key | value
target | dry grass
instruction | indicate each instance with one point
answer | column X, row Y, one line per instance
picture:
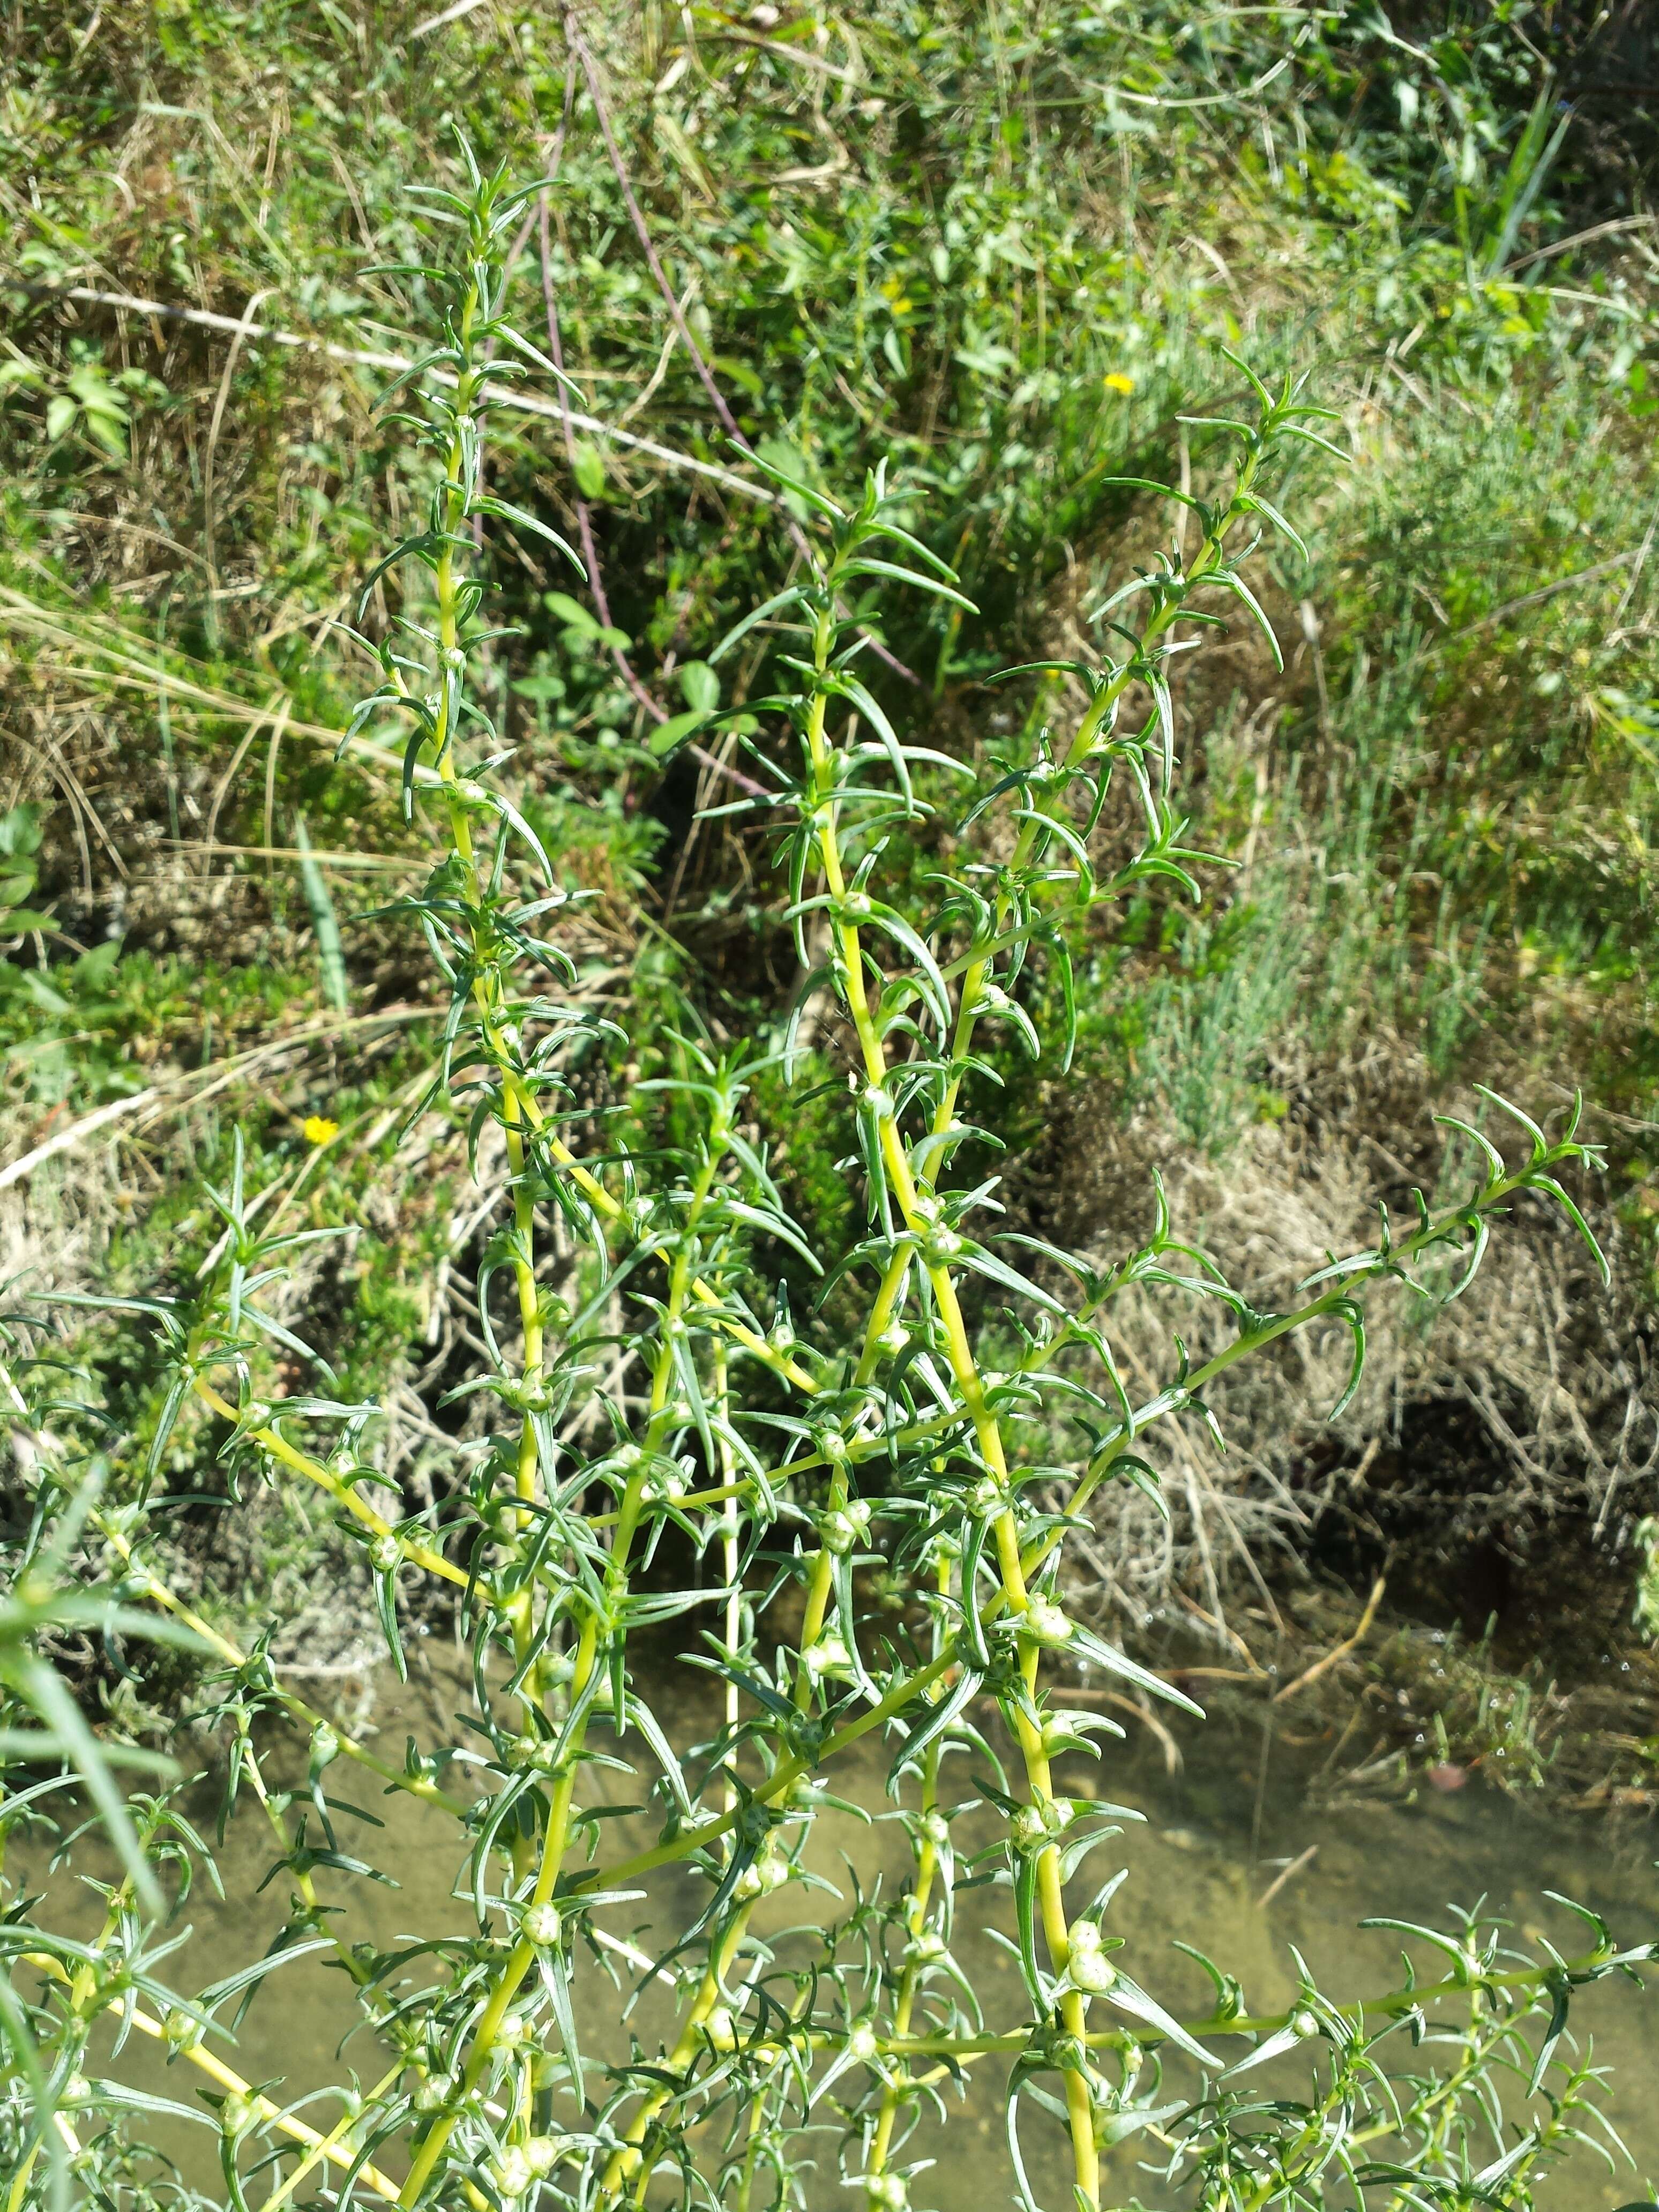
column 1555, row 1377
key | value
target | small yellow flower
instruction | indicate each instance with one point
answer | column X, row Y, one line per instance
column 318, row 1129
column 1118, row 382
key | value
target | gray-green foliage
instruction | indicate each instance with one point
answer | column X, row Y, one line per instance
column 882, row 1562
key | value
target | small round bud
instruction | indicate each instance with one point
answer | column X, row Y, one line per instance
column 236, row 2114
column 827, row 1657
column 986, row 1497
column 514, row 2031
column 433, row 2094
column 77, row 2090
column 255, row 1414
column 386, row 1553
column 1045, row 1623
column 924, row 1949
column 183, row 2033
column 1033, row 1826
column 511, row 2173
column 844, row 1530
column 861, row 2044
column 543, row 1926
column 1070, row 2054
column 324, row 1746
column 720, row 2027
column 1029, row 1828
column 1303, row 2024
column 543, row 2153
column 937, row 1830
column 832, row 1446
column 886, row 2192
column 1086, row 1963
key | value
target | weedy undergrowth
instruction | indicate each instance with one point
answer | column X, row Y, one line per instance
column 863, row 1509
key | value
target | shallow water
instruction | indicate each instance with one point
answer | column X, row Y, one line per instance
column 1214, row 1842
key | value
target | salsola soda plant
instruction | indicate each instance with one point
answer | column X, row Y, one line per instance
column 879, row 1554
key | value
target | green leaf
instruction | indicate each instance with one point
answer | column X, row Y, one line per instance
column 673, row 733
column 700, row 687
column 587, row 466
column 571, row 613
column 521, row 520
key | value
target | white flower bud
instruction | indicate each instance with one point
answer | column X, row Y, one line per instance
column 861, row 2044
column 511, row 2173
column 1086, row 1963
column 720, row 2027
column 1030, row 1828
column 1033, row 1826
column 827, row 1657
column 844, row 1530
column 1046, row 1624
column 543, row 2153
column 386, row 1553
column 543, row 1926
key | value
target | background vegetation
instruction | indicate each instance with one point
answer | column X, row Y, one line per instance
column 1001, row 244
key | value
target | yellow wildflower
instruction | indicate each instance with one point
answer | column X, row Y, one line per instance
column 1118, row 382
column 318, row 1129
